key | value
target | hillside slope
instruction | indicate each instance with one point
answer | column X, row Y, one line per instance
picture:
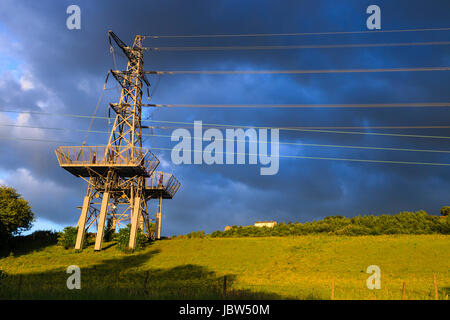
column 274, row 268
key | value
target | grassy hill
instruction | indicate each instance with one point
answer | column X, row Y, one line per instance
column 255, row 268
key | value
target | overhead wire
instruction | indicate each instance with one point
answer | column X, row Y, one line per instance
column 265, row 142
column 294, row 33
column 228, row 72
column 307, row 130
column 321, row 127
column 302, row 46
column 279, row 156
column 329, row 158
column 191, row 48
column 96, row 109
column 242, row 126
column 325, row 145
column 34, row 139
column 354, row 105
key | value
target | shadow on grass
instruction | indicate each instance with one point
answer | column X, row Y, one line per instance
column 128, row 278
column 110, row 245
column 37, row 241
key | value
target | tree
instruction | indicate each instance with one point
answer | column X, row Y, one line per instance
column 445, row 211
column 68, row 238
column 109, row 230
column 15, row 213
column 123, row 239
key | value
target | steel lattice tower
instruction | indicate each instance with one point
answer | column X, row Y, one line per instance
column 121, row 175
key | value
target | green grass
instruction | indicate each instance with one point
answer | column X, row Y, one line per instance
column 256, row 268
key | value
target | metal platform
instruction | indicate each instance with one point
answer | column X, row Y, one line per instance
column 83, row 161
column 161, row 184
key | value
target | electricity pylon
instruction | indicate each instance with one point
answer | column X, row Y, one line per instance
column 121, row 175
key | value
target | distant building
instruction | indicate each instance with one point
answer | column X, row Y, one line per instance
column 269, row 224
column 227, row 228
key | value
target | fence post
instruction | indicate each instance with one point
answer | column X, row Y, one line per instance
column 145, row 282
column 404, row 290
column 332, row 289
column 225, row 285
column 20, row 285
column 436, row 296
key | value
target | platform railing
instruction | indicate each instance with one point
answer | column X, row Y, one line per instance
column 106, row 156
column 163, row 180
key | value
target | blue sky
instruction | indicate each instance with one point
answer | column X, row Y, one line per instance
column 46, row 67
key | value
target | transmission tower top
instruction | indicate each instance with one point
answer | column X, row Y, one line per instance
column 123, row 171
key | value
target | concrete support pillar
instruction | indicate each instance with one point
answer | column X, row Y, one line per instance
column 134, row 222
column 101, row 222
column 82, row 223
column 158, row 219
column 141, row 222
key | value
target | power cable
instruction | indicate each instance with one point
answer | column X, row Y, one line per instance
column 292, row 34
column 279, row 156
column 266, row 142
column 354, row 105
column 96, row 109
column 287, row 47
column 227, row 72
column 335, row 159
column 243, row 126
column 308, row 130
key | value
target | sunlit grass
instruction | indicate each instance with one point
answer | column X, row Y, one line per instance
column 256, row 268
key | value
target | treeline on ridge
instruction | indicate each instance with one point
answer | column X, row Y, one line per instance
column 403, row 223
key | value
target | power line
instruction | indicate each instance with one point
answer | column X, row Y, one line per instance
column 96, row 109
column 293, row 34
column 53, row 114
column 182, row 72
column 266, row 142
column 216, row 126
column 34, row 139
column 355, row 105
column 307, row 130
column 309, row 46
column 324, row 145
column 190, row 124
column 242, row 126
column 325, row 127
column 279, row 156
column 325, row 158
column 60, row 129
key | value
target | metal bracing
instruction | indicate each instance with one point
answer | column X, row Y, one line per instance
column 120, row 175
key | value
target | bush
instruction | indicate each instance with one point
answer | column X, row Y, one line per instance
column 445, row 211
column 3, row 275
column 68, row 238
column 353, row 230
column 34, row 241
column 46, row 236
column 123, row 239
column 109, row 231
column 196, row 234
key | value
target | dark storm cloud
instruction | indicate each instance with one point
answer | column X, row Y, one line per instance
column 68, row 68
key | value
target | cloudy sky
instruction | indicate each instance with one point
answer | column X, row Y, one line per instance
column 44, row 67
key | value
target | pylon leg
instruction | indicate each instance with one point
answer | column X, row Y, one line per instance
column 101, row 222
column 141, row 222
column 134, row 222
column 158, row 219
column 82, row 223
